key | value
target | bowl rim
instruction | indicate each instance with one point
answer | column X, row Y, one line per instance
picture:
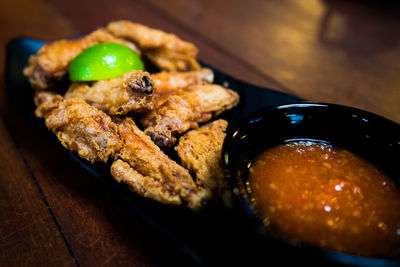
column 247, row 208
column 307, row 104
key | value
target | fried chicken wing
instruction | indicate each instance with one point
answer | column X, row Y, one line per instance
column 176, row 113
column 165, row 50
column 132, row 91
column 45, row 102
column 81, row 127
column 143, row 185
column 151, row 173
column 200, row 153
column 51, row 62
column 169, row 81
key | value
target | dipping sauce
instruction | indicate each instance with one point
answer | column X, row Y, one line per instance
column 312, row 192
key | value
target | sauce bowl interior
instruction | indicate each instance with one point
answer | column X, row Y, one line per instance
column 368, row 135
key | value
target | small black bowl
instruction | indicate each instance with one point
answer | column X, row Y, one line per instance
column 373, row 137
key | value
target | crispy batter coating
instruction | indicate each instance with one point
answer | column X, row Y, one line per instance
column 45, row 102
column 151, row 173
column 81, row 128
column 133, row 91
column 143, row 185
column 169, row 81
column 200, row 152
column 176, row 113
column 165, row 50
column 52, row 60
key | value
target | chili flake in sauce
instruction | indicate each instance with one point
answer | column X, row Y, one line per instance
column 315, row 193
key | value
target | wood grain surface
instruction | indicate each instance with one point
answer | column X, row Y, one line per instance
column 52, row 212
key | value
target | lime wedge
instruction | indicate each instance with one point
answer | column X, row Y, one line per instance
column 104, row 61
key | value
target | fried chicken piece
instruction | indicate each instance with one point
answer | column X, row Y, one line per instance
column 169, row 81
column 143, row 185
column 176, row 113
column 151, row 173
column 51, row 62
column 165, row 50
column 45, row 102
column 80, row 127
column 132, row 91
column 200, row 152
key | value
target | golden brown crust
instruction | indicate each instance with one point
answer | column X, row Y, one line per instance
column 177, row 113
column 165, row 50
column 84, row 129
column 200, row 152
column 166, row 82
column 45, row 102
column 145, row 186
column 133, row 91
column 147, row 160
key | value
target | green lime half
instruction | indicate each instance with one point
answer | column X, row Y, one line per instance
column 104, row 61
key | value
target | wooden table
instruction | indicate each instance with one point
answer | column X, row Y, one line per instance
column 52, row 212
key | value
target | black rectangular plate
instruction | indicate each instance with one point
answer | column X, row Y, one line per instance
column 212, row 236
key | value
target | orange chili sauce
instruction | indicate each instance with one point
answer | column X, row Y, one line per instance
column 315, row 193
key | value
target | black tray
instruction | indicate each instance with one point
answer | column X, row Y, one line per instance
column 212, row 236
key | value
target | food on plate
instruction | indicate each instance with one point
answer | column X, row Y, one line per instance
column 150, row 172
column 200, row 151
column 176, row 113
column 319, row 194
column 134, row 120
column 133, row 91
column 166, row 82
column 165, row 50
column 82, row 128
column 51, row 62
column 104, row 61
